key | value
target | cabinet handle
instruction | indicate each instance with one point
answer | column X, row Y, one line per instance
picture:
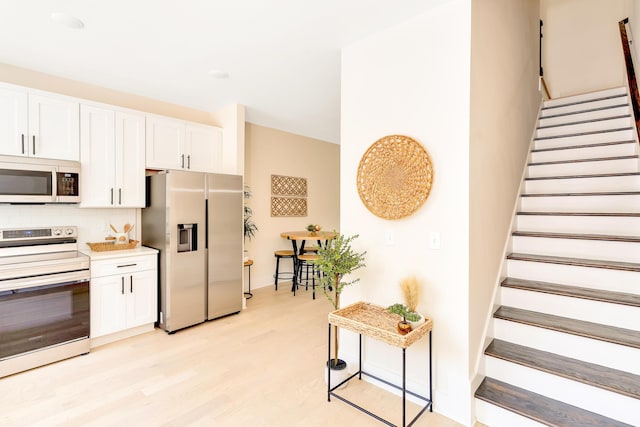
column 126, row 265
column 122, row 288
column 131, row 284
column 112, row 196
column 23, row 143
column 119, row 196
column 34, row 144
column 189, row 161
column 182, row 161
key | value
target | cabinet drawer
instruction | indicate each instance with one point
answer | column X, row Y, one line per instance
column 126, row 265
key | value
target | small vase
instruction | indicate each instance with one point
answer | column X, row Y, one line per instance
column 404, row 327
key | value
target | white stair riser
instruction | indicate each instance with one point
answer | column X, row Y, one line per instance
column 494, row 416
column 585, row 96
column 627, row 149
column 578, row 248
column 621, row 135
column 609, row 404
column 624, row 203
column 603, row 353
column 596, row 278
column 619, row 226
column 621, row 316
column 583, row 185
column 583, row 168
column 609, row 124
column 588, row 115
column 583, row 106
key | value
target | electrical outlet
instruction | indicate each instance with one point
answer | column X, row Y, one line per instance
column 434, row 240
column 389, row 238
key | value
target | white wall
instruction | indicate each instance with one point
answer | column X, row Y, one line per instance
column 581, row 45
column 504, row 106
column 413, row 79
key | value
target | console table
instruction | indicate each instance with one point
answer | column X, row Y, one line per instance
column 376, row 322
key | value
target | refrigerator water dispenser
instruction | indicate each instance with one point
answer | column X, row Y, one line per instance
column 187, row 237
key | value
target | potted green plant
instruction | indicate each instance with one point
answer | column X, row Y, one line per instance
column 335, row 260
column 250, row 227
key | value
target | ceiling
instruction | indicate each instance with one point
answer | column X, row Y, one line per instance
column 282, row 56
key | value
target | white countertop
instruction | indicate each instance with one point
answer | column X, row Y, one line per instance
column 122, row 253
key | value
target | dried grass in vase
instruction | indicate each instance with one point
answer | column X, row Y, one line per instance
column 411, row 290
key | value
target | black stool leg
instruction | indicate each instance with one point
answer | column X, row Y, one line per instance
column 275, row 281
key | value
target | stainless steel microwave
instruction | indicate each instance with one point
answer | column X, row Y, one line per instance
column 32, row 180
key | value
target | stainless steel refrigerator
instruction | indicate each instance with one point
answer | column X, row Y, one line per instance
column 195, row 221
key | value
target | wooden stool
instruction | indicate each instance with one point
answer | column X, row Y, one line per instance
column 282, row 254
column 248, row 263
column 307, row 260
column 313, row 249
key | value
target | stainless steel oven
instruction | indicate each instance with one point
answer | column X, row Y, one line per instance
column 44, row 298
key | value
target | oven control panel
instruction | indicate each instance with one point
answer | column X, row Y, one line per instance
column 26, row 235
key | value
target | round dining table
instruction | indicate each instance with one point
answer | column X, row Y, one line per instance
column 302, row 236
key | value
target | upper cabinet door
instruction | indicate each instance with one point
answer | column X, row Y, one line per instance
column 203, row 148
column 97, row 178
column 13, row 123
column 54, row 127
column 165, row 138
column 129, row 154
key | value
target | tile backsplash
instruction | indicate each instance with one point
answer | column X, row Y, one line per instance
column 93, row 224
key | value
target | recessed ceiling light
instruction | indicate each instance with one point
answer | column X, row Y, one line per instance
column 219, row 74
column 67, row 20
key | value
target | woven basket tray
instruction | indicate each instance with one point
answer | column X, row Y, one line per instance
column 111, row 246
column 375, row 321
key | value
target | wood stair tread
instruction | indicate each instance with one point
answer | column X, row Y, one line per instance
column 596, row 159
column 612, row 214
column 539, row 408
column 576, row 236
column 573, row 291
column 578, row 262
column 603, row 377
column 595, row 193
column 597, row 175
column 574, row 147
column 582, row 122
column 585, row 101
column 588, row 110
column 591, row 132
column 612, row 334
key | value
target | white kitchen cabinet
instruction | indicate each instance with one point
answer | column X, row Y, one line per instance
column 123, row 293
column 204, row 145
column 176, row 144
column 112, row 158
column 33, row 124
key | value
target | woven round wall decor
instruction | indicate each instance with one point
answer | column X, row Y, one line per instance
column 394, row 177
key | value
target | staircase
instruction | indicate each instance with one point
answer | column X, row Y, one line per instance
column 566, row 346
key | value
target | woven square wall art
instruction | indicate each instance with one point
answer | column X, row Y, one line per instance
column 288, row 186
column 288, row 206
column 288, row 196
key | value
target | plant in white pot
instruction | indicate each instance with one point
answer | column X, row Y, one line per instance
column 336, row 260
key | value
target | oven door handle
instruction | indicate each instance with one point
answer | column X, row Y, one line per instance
column 45, row 280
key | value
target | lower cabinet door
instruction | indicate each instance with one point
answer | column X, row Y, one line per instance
column 141, row 298
column 108, row 305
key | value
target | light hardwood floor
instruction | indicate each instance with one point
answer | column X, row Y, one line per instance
column 262, row 367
